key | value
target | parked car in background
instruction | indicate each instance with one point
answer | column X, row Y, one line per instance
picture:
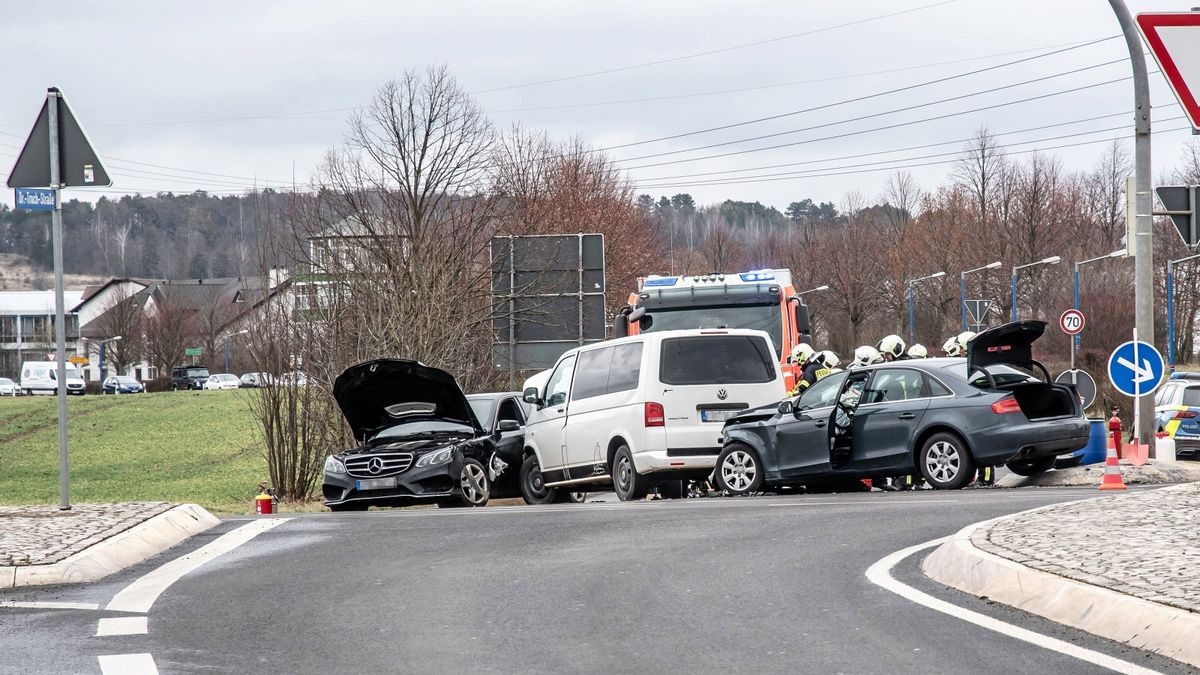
column 8, row 387
column 188, row 377
column 1177, row 412
column 942, row 417
column 254, row 380
column 419, row 440
column 294, row 378
column 222, row 381
column 43, row 376
column 122, row 384
column 644, row 411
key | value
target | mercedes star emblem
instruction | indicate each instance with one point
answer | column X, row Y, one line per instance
column 375, row 465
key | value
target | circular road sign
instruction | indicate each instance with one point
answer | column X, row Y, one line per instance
column 1071, row 322
column 1084, row 384
column 1136, row 368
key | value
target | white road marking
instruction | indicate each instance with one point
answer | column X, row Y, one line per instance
column 122, row 625
column 876, row 502
column 4, row 604
column 140, row 595
column 881, row 575
column 127, row 664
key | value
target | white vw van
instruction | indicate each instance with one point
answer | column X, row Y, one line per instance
column 642, row 411
column 43, row 376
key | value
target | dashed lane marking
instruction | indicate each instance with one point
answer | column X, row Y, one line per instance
column 880, row 574
column 122, row 625
column 128, row 664
column 140, row 595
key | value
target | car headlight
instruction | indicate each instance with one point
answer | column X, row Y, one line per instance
column 436, row 457
column 334, row 465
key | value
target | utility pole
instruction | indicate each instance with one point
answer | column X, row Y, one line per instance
column 1141, row 247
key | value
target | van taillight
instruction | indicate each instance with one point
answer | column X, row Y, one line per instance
column 655, row 417
column 1006, row 405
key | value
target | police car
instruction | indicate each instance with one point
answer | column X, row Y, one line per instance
column 1177, row 412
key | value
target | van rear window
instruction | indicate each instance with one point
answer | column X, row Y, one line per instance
column 716, row 359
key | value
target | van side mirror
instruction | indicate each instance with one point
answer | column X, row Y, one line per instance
column 530, row 396
column 505, row 426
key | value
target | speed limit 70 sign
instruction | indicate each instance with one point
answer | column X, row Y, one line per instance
column 1071, row 322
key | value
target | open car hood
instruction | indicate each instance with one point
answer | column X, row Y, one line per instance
column 1010, row 344
column 376, row 395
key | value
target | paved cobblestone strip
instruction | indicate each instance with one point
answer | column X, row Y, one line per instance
column 1144, row 544
column 43, row 535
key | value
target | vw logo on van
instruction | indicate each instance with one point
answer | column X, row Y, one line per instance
column 722, row 394
column 375, row 465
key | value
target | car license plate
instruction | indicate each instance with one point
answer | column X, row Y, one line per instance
column 375, row 484
column 716, row 415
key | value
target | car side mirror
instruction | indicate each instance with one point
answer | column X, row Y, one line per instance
column 786, row 406
column 531, row 397
column 505, row 426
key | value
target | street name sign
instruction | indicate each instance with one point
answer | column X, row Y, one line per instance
column 193, row 351
column 35, row 199
column 1136, row 368
column 1071, row 322
column 1084, row 383
column 1174, row 40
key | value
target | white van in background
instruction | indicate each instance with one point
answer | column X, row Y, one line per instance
column 43, row 376
column 643, row 411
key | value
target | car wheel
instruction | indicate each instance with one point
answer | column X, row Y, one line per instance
column 565, row 497
column 533, row 488
column 473, row 484
column 672, row 489
column 1031, row 467
column 739, row 470
column 945, row 462
column 348, row 506
column 627, row 482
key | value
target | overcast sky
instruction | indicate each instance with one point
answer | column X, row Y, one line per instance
column 156, row 84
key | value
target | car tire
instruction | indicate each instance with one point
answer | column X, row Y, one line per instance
column 474, row 486
column 533, row 488
column 627, row 482
column 348, row 506
column 672, row 489
column 739, row 470
column 1031, row 467
column 945, row 462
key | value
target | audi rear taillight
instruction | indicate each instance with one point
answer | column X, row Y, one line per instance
column 655, row 417
column 1185, row 414
column 1006, row 405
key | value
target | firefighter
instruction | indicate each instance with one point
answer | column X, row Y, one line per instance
column 866, row 355
column 918, row 351
column 956, row 345
column 801, row 353
column 819, row 365
column 892, row 348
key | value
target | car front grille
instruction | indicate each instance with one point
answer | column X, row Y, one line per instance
column 378, row 465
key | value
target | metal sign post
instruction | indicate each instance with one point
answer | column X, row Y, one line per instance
column 57, row 154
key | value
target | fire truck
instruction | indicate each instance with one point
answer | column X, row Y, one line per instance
column 761, row 299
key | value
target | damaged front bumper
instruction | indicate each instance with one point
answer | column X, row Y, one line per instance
column 416, row 484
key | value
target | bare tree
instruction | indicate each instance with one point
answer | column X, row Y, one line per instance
column 169, row 331
column 122, row 317
column 1105, row 187
column 978, row 171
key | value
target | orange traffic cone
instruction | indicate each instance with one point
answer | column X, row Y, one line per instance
column 1112, row 472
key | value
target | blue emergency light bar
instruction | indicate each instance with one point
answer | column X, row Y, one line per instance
column 757, row 276
column 660, row 281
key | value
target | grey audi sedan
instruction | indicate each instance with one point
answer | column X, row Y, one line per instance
column 941, row 417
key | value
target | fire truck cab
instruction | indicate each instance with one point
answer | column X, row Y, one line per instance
column 761, row 299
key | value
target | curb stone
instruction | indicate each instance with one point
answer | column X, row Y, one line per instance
column 1139, row 623
column 129, row 547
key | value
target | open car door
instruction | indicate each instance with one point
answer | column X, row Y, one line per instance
column 841, row 419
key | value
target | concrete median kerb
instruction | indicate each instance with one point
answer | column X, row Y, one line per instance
column 40, row 545
column 1119, row 566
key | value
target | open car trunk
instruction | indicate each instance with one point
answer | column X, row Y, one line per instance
column 997, row 353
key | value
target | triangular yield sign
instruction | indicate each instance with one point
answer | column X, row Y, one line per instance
column 79, row 165
column 1174, row 39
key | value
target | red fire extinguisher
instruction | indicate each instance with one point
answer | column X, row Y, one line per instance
column 1114, row 430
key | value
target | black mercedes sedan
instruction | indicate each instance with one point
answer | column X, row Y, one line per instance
column 419, row 440
column 942, row 417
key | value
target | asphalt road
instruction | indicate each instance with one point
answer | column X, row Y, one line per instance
column 767, row 584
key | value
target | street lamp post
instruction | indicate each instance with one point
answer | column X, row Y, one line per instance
column 911, row 312
column 1052, row 260
column 962, row 288
column 1077, row 340
column 1171, row 306
column 822, row 287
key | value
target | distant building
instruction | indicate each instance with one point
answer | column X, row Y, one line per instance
column 27, row 327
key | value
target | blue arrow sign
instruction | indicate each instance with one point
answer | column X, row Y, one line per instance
column 35, row 199
column 1136, row 368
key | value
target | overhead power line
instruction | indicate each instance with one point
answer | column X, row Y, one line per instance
column 685, row 57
